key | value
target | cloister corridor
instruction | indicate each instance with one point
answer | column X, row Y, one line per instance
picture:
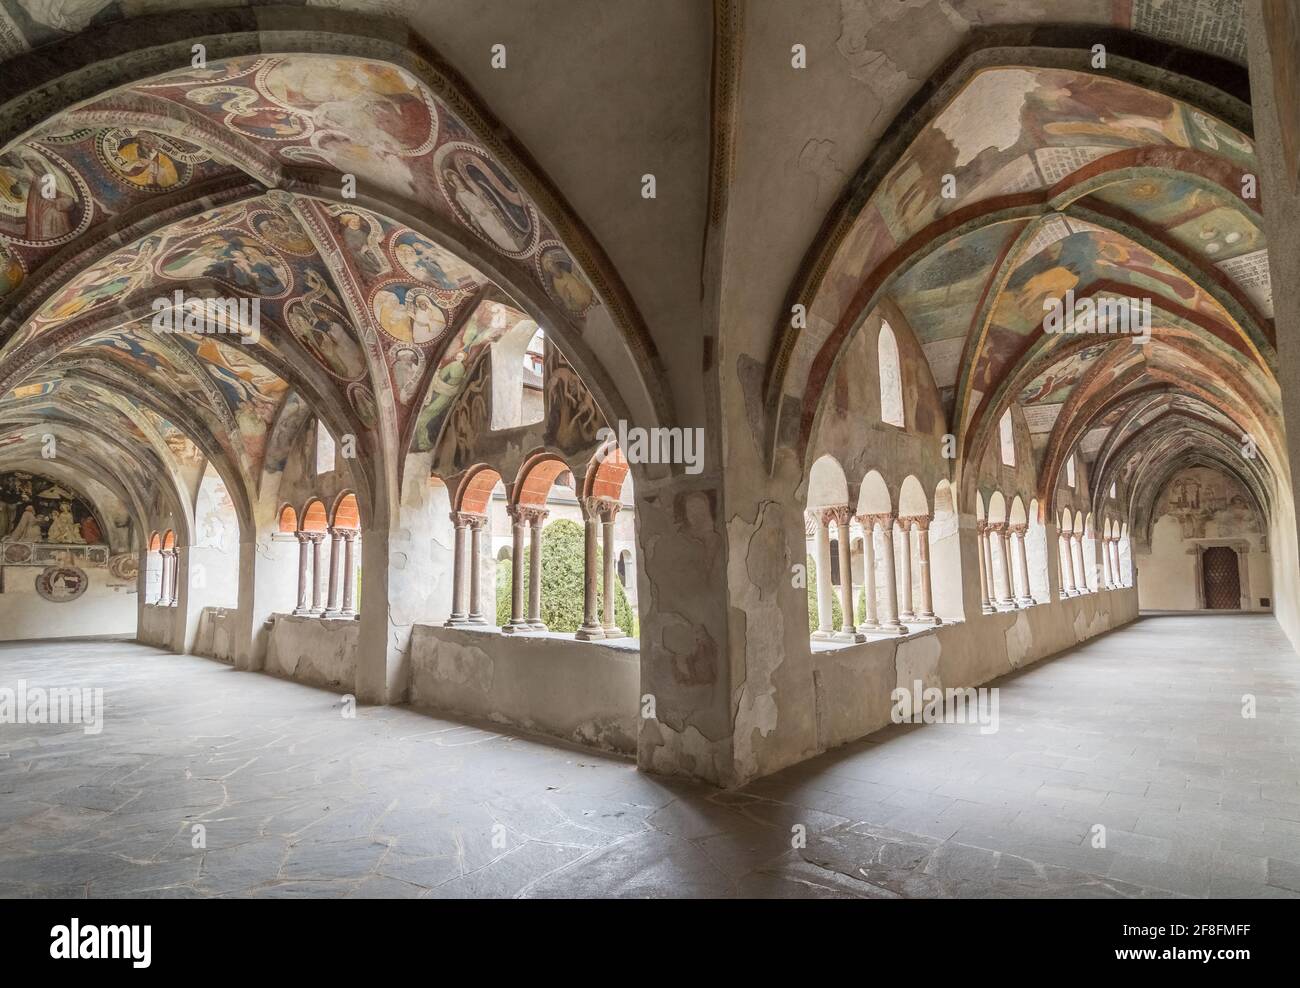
column 1139, row 730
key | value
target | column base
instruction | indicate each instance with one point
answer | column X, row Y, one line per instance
column 296, row 612
column 892, row 629
column 849, row 637
column 537, row 626
column 331, row 615
column 614, row 632
column 1025, row 602
column 931, row 619
column 477, row 620
column 594, row 633
column 907, row 617
column 455, row 621
column 822, row 636
column 986, row 608
column 515, row 628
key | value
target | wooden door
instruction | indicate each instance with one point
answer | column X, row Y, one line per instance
column 1222, row 579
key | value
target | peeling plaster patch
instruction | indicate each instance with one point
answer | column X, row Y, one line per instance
column 763, row 542
column 690, row 753
column 916, row 33
column 918, row 658
column 1020, row 640
column 467, row 666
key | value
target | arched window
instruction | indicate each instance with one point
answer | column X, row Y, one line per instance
column 1008, row 438
column 1113, row 493
column 325, row 449
column 891, row 378
column 1069, row 470
column 153, row 570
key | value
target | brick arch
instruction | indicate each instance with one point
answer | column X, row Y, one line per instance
column 314, row 518
column 287, row 520
column 169, row 539
column 475, row 490
column 605, row 474
column 536, row 477
column 155, row 542
column 346, row 514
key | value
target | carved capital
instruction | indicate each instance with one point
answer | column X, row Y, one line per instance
column 476, row 522
column 884, row 519
column 1019, row 528
column 922, row 522
column 528, row 514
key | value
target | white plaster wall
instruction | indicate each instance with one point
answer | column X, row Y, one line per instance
column 852, row 685
column 582, row 692
column 108, row 607
column 314, row 651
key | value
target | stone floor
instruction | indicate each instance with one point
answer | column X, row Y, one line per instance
column 1140, row 731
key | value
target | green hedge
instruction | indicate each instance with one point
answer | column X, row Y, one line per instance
column 562, row 551
column 837, row 612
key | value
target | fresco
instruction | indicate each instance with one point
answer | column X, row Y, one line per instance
column 34, row 508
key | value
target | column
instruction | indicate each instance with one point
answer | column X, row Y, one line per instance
column 1068, row 589
column 535, row 518
column 905, row 612
column 889, row 617
column 591, row 630
column 608, row 512
column 848, row 629
column 349, row 609
column 1116, row 569
column 459, row 521
column 518, row 528
column 1107, row 581
column 981, row 534
column 825, row 612
column 164, row 564
column 1080, row 574
column 333, row 603
column 317, row 574
column 1002, row 585
column 926, row 614
column 176, row 575
column 302, row 608
column 870, row 619
column 986, row 548
column 476, row 525
column 1024, row 597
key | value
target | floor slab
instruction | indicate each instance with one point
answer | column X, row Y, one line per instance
column 210, row 782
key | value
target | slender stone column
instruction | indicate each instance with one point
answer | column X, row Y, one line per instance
column 174, row 584
column 888, row 579
column 317, row 574
column 165, row 565
column 591, row 630
column 870, row 619
column 518, row 528
column 1002, row 575
column 303, row 542
column 1107, row 581
column 333, row 604
column 1068, row 589
column 1080, row 573
column 349, row 610
column 848, row 629
column 535, row 518
column 988, row 564
column 825, row 611
column 1116, row 569
column 905, row 613
column 1024, row 596
column 609, row 623
column 476, row 525
column 981, row 550
column 926, row 614
column 458, row 614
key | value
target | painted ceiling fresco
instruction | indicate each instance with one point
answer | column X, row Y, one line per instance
column 169, row 185
column 1066, row 182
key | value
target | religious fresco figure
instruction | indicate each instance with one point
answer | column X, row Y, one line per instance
column 27, row 529
column 64, row 528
